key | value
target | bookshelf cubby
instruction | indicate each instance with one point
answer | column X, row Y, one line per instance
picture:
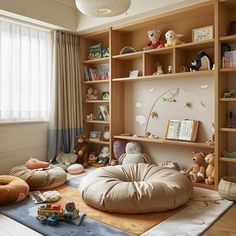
column 134, row 34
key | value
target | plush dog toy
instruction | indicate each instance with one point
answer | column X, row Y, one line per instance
column 172, row 38
column 210, row 170
column 154, row 40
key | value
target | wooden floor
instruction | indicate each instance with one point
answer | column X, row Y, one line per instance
column 225, row 226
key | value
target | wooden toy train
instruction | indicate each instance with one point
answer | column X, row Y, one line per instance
column 52, row 214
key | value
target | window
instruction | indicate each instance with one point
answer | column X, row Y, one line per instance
column 25, row 72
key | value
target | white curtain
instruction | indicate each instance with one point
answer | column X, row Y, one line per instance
column 25, row 72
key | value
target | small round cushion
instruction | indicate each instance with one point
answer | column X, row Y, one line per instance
column 12, row 189
column 41, row 178
column 136, row 188
column 75, row 169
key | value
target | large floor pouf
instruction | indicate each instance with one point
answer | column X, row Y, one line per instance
column 12, row 189
column 41, row 179
column 136, row 188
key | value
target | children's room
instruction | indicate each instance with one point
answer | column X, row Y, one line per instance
column 117, row 117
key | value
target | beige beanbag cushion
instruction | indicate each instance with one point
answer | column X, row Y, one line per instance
column 12, row 189
column 75, row 169
column 40, row 178
column 136, row 188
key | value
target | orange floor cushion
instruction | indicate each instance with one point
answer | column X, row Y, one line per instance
column 12, row 189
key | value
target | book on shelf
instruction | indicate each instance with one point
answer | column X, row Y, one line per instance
column 99, row 72
column 229, row 59
column 105, row 112
column 95, row 51
column 185, row 130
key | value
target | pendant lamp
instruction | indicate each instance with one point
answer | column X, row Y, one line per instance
column 103, row 8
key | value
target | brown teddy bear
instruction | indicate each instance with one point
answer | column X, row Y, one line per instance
column 81, row 150
column 197, row 172
column 210, row 170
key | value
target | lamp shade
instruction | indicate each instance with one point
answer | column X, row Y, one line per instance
column 103, row 8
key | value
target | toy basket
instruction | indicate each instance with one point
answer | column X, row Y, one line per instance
column 227, row 188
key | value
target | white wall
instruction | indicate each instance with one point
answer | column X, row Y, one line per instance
column 19, row 142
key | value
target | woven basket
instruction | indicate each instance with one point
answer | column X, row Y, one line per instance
column 227, row 188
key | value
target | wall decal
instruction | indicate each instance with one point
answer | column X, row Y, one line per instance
column 138, row 104
column 151, row 90
column 204, row 86
column 140, row 119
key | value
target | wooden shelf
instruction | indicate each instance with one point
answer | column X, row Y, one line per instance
column 97, row 61
column 228, row 70
column 168, row 76
column 228, row 159
column 159, row 51
column 228, row 129
column 98, row 142
column 196, row 45
column 228, row 99
column 96, row 82
column 96, row 101
column 203, row 185
column 165, row 141
column 97, row 121
column 228, row 39
column 129, row 56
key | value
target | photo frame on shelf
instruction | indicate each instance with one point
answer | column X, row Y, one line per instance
column 203, row 33
column 105, row 95
column 106, row 134
column 133, row 73
column 105, row 113
column 95, row 135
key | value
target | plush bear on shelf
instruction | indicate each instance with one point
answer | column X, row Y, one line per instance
column 197, row 171
column 210, row 170
column 154, row 40
column 81, row 150
column 172, row 39
column 133, row 154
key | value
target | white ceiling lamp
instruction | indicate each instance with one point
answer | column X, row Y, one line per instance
column 103, row 8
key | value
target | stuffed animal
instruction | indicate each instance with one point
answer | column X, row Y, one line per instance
column 154, row 40
column 197, row 171
column 92, row 93
column 172, row 39
column 119, row 148
column 210, row 170
column 201, row 62
column 104, row 156
column 34, row 163
column 92, row 158
column 133, row 154
column 81, row 151
column 66, row 158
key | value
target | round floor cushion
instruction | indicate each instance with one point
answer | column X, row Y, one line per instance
column 136, row 188
column 41, row 178
column 12, row 189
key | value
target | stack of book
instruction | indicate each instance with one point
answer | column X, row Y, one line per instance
column 100, row 72
column 229, row 59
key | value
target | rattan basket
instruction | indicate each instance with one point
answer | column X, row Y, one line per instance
column 227, row 188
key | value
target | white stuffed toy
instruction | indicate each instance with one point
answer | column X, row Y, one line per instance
column 172, row 38
column 133, row 154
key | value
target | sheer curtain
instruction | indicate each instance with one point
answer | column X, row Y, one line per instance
column 25, row 72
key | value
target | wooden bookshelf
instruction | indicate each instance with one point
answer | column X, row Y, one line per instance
column 96, row 101
column 228, row 70
column 228, row 39
column 228, row 129
column 232, row 160
column 97, row 122
column 166, row 141
column 97, row 61
column 96, row 81
column 228, row 99
column 98, row 142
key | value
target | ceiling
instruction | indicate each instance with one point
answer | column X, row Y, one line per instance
column 69, row 3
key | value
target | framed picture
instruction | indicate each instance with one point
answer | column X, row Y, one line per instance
column 105, row 95
column 133, row 73
column 105, row 113
column 201, row 34
column 95, row 135
column 106, row 134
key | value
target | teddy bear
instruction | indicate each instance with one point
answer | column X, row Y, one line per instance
column 154, row 40
column 172, row 39
column 196, row 172
column 210, row 170
column 92, row 93
column 133, row 154
column 92, row 158
column 81, row 150
column 104, row 156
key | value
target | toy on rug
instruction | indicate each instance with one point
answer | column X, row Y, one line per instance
column 104, row 156
column 75, row 169
column 197, row 171
column 52, row 214
column 119, row 148
column 34, row 163
column 202, row 61
column 172, row 38
column 133, row 154
column 66, row 158
column 92, row 93
column 170, row 164
column 210, row 170
column 81, row 150
column 93, row 158
column 52, row 196
column 154, row 40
